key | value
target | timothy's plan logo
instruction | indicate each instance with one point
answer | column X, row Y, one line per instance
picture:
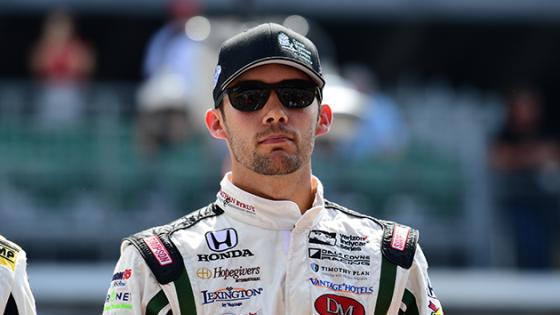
column 222, row 240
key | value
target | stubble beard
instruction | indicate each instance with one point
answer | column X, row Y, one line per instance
column 273, row 163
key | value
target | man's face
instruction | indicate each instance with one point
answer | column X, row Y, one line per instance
column 274, row 140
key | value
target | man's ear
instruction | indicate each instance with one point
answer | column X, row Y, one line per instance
column 214, row 123
column 325, row 120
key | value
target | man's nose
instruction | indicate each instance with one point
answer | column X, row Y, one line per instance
column 275, row 112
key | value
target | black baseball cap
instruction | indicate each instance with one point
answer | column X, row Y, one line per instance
column 265, row 44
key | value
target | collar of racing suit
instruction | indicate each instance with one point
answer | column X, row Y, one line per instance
column 265, row 213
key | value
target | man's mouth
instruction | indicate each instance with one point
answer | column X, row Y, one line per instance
column 275, row 139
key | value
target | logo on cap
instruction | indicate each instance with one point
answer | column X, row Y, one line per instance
column 297, row 48
column 217, row 73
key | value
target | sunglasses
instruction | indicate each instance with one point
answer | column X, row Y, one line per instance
column 250, row 96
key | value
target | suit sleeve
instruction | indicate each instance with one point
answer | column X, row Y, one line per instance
column 419, row 296
column 133, row 289
column 21, row 292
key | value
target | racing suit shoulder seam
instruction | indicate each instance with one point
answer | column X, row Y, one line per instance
column 401, row 254
column 158, row 250
column 399, row 247
column 335, row 206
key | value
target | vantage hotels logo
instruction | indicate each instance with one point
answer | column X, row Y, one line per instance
column 341, row 287
column 223, row 242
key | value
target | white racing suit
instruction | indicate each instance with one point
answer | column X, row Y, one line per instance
column 15, row 295
column 248, row 255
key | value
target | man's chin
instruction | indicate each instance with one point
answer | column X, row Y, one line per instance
column 277, row 164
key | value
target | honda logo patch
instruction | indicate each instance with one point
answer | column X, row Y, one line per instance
column 219, row 241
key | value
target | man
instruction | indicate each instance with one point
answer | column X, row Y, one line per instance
column 271, row 244
column 15, row 296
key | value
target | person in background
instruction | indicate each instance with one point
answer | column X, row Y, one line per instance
column 15, row 295
column 381, row 119
column 525, row 159
column 62, row 62
column 164, row 120
column 180, row 48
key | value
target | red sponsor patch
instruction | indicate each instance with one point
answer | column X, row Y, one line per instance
column 127, row 274
column 400, row 235
column 239, row 204
column 329, row 304
column 158, row 249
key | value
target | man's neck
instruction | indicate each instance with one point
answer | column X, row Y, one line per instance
column 296, row 187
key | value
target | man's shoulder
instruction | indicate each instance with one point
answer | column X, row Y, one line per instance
column 399, row 241
column 351, row 213
column 184, row 222
column 9, row 252
column 360, row 215
column 159, row 251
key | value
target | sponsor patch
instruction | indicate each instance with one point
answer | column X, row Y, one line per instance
column 8, row 256
column 241, row 274
column 342, row 241
column 158, row 249
column 338, row 271
column 122, row 275
column 204, row 273
column 349, row 259
column 322, row 237
column 295, row 47
column 228, row 200
column 230, row 297
column 435, row 308
column 118, row 300
column 217, row 73
column 329, row 304
column 400, row 235
column 222, row 240
column 314, row 267
column 341, row 287
column 118, row 296
column 236, row 253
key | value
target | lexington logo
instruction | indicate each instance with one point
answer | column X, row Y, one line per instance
column 229, row 294
column 222, row 240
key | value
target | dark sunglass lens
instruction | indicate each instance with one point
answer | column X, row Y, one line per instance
column 248, row 100
column 294, row 97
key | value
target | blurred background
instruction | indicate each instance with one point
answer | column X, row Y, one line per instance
column 446, row 119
